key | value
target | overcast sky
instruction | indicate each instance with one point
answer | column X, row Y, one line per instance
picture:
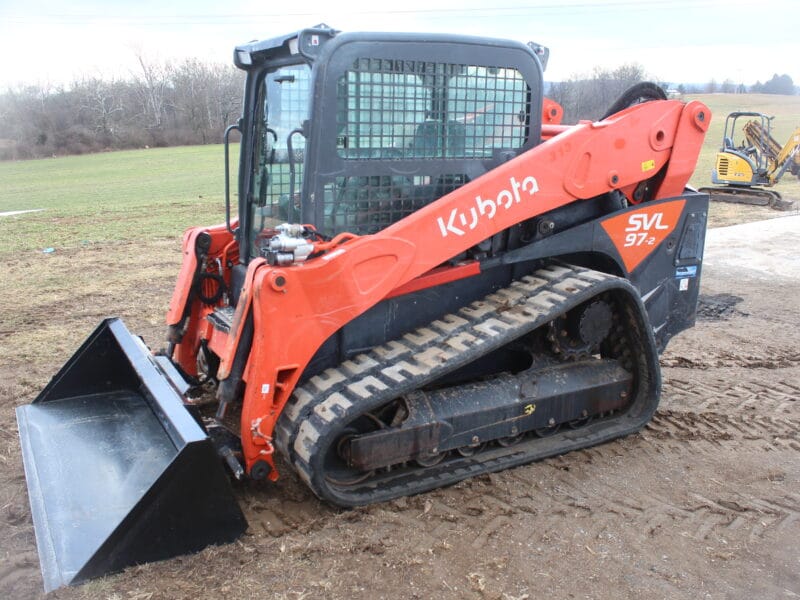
column 53, row 42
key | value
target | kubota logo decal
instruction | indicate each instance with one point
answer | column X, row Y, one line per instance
column 458, row 221
column 636, row 234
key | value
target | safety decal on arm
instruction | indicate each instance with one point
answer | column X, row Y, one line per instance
column 636, row 234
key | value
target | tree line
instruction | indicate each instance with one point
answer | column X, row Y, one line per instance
column 779, row 84
column 162, row 104
column 191, row 102
column 589, row 96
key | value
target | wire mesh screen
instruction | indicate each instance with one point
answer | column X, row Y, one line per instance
column 400, row 109
column 419, row 111
column 365, row 205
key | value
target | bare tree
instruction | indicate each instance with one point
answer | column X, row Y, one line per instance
column 161, row 104
column 153, row 83
column 101, row 102
column 590, row 97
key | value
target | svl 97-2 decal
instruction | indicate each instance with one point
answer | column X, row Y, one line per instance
column 637, row 233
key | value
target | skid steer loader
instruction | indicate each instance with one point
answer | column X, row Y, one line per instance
column 428, row 277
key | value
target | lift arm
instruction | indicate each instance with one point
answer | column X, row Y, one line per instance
column 296, row 308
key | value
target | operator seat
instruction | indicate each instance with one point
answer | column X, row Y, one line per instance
column 428, row 137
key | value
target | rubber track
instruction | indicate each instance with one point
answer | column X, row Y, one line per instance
column 749, row 196
column 328, row 401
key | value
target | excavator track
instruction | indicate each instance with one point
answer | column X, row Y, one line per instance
column 322, row 410
column 748, row 195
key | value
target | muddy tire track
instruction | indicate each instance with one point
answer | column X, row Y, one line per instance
column 592, row 485
column 581, row 484
column 777, row 358
column 767, row 392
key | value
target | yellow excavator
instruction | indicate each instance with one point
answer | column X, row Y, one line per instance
column 751, row 157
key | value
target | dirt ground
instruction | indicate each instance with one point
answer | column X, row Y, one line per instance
column 703, row 503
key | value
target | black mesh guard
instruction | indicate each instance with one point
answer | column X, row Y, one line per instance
column 427, row 120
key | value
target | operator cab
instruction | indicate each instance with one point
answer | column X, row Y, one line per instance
column 735, row 141
column 351, row 132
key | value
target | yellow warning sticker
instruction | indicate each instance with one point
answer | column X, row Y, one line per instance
column 648, row 165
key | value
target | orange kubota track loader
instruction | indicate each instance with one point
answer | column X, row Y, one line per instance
column 429, row 278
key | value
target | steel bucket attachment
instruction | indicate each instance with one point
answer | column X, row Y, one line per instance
column 118, row 471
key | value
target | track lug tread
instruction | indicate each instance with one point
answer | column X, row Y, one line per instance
column 398, row 367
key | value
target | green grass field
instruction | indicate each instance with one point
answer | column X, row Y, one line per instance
column 156, row 193
column 115, row 196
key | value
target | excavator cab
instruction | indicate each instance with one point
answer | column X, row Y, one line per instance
column 751, row 157
column 739, row 161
